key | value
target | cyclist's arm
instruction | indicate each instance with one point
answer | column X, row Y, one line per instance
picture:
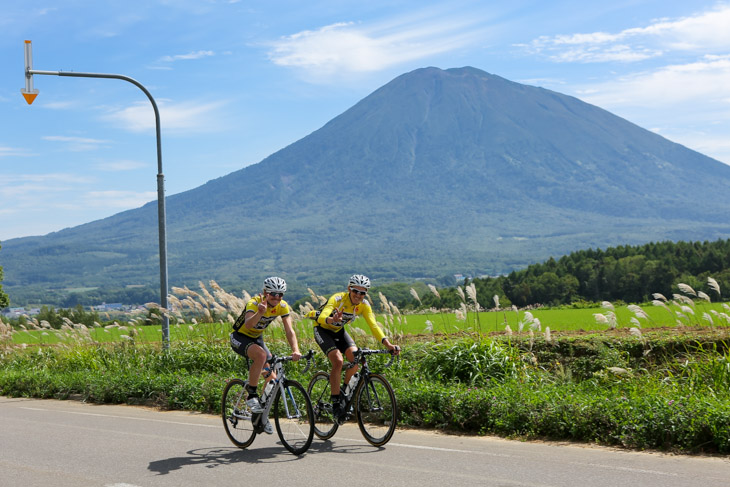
column 254, row 312
column 324, row 316
column 291, row 337
column 373, row 324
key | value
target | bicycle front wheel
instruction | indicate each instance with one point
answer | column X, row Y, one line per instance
column 294, row 417
column 376, row 410
column 237, row 417
column 319, row 392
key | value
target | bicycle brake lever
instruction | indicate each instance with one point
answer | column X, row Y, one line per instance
column 308, row 357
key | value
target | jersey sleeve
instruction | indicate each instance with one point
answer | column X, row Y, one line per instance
column 327, row 310
column 369, row 316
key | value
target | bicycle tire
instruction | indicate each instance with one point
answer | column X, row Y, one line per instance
column 376, row 410
column 318, row 389
column 294, row 417
column 237, row 417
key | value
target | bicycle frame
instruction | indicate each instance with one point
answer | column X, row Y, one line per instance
column 370, row 399
column 364, row 372
column 277, row 364
column 289, row 400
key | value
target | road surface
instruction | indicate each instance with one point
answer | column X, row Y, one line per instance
column 70, row 443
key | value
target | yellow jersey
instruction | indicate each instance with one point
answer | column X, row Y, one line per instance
column 341, row 301
column 281, row 309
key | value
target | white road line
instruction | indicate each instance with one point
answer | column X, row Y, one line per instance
column 123, row 417
column 504, row 455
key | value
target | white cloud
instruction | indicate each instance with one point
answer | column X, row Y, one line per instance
column 13, row 152
column 119, row 199
column 123, row 165
column 15, row 179
column 188, row 56
column 686, row 103
column 705, row 32
column 181, row 117
column 703, row 82
column 78, row 144
column 35, row 204
column 349, row 47
column 22, row 191
column 58, row 105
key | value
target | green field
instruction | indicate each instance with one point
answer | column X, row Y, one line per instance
column 557, row 319
column 440, row 323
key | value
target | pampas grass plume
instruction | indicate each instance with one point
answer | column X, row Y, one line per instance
column 686, row 289
column 434, row 290
column 713, row 285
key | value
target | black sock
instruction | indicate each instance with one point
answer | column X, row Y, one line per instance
column 252, row 391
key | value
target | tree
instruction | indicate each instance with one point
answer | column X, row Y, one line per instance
column 4, row 301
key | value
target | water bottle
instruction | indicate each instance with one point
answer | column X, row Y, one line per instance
column 267, row 390
column 353, row 381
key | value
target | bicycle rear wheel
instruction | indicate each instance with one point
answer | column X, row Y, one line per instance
column 319, row 392
column 237, row 417
column 376, row 410
column 294, row 417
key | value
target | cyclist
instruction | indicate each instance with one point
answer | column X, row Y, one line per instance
column 247, row 337
column 329, row 332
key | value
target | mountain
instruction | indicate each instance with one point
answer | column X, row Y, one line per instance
column 437, row 172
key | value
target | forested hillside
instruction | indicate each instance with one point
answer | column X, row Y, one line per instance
column 626, row 273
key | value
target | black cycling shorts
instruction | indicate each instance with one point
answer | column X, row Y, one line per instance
column 241, row 342
column 329, row 340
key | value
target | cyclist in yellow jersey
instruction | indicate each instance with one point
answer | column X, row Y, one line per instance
column 247, row 337
column 330, row 334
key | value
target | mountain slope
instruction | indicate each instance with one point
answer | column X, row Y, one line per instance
column 436, row 172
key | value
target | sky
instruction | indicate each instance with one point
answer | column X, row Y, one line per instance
column 237, row 80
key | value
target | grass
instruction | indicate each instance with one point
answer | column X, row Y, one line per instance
column 665, row 385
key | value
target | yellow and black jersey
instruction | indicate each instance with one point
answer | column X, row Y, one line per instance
column 281, row 309
column 341, row 301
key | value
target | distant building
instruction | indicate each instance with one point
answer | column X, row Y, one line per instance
column 18, row 312
column 107, row 307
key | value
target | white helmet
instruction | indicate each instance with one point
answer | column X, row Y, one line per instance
column 360, row 281
column 274, row 285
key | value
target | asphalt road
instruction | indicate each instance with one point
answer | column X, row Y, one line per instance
column 69, row 443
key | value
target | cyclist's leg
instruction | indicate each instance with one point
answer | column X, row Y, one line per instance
column 255, row 350
column 326, row 341
column 348, row 344
column 337, row 362
column 259, row 354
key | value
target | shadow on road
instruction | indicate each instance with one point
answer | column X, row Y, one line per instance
column 215, row 457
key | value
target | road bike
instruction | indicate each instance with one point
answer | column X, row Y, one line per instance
column 368, row 396
column 285, row 398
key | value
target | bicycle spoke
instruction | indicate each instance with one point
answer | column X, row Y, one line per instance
column 376, row 410
column 319, row 392
column 237, row 417
column 294, row 417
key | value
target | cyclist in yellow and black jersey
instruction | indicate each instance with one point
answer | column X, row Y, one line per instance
column 331, row 336
column 247, row 337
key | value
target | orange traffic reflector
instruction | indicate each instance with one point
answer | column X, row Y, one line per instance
column 29, row 97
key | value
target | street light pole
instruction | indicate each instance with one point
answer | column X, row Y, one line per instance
column 161, row 218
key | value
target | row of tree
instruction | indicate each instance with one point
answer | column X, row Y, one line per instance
column 626, row 273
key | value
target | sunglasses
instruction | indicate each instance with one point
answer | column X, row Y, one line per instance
column 277, row 295
column 357, row 291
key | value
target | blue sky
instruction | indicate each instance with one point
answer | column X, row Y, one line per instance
column 237, row 80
